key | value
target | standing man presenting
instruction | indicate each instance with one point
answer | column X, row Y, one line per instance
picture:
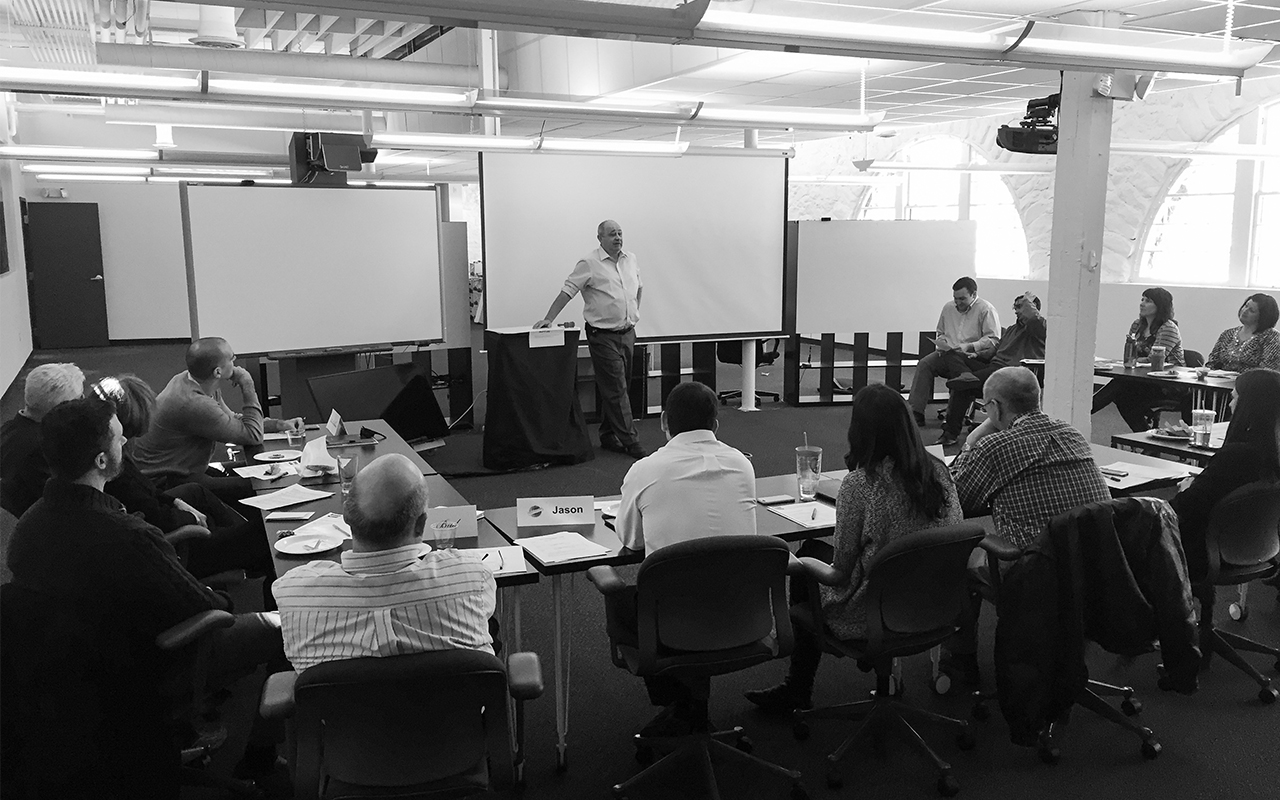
column 968, row 332
column 609, row 280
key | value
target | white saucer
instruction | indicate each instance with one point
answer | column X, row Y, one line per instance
column 279, row 455
column 308, row 544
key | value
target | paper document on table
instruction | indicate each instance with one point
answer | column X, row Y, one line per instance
column 288, row 496
column 267, row 472
column 281, row 516
column 316, row 458
column 329, row 523
column 1141, row 473
column 556, row 548
column 609, row 508
column 546, row 337
column 278, row 436
column 499, row 560
column 810, row 515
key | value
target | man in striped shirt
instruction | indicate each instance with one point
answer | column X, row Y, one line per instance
column 385, row 599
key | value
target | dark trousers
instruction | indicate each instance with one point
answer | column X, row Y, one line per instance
column 664, row 690
column 960, row 399
column 939, row 363
column 807, row 652
column 1136, row 401
column 611, row 359
column 237, row 542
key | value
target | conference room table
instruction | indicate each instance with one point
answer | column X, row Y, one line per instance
column 1151, row 443
column 1212, row 391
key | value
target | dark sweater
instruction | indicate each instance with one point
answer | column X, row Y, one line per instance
column 1023, row 339
column 23, row 470
column 140, row 495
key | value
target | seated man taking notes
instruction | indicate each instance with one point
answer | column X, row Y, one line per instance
column 968, row 330
column 385, row 599
column 692, row 487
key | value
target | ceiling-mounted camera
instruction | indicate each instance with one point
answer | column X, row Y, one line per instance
column 1037, row 133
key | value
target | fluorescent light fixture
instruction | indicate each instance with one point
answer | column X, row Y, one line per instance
column 778, row 117
column 243, row 172
column 64, row 81
column 85, row 169
column 64, row 178
column 592, row 109
column 614, row 146
column 763, row 151
column 452, row 141
column 402, row 157
column 847, row 180
column 1007, row 169
column 41, row 151
column 1136, row 48
column 218, row 180
column 743, row 22
column 404, row 184
column 354, row 96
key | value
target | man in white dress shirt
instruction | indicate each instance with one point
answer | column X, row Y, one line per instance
column 692, row 487
column 609, row 280
column 384, row 599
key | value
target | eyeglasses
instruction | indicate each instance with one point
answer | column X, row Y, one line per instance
column 986, row 403
column 109, row 389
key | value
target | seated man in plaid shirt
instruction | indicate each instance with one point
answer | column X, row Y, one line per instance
column 1024, row 469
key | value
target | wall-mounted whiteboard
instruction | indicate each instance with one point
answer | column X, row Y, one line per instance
column 285, row 269
column 707, row 230
column 880, row 275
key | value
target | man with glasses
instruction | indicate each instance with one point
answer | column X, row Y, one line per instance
column 1024, row 469
column 191, row 417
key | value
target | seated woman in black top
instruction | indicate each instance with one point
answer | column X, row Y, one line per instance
column 236, row 543
column 1250, row 453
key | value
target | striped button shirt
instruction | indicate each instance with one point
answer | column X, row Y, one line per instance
column 385, row 603
column 1028, row 474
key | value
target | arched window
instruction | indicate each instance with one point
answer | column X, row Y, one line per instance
column 943, row 194
column 1196, row 236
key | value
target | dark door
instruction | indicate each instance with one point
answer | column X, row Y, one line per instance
column 64, row 267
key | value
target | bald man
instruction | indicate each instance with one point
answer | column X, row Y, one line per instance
column 609, row 280
column 191, row 416
column 384, row 598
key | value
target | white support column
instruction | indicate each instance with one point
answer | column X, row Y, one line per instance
column 750, row 141
column 488, row 45
column 1075, row 256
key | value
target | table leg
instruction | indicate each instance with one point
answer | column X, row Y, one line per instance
column 561, row 676
column 515, row 619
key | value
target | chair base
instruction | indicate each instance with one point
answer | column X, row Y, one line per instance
column 725, row 397
column 699, row 748
column 1227, row 645
column 1049, row 746
column 880, row 714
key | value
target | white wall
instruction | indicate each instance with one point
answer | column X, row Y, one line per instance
column 15, row 315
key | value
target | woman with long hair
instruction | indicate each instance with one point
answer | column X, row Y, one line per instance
column 1154, row 327
column 1255, row 342
column 893, row 488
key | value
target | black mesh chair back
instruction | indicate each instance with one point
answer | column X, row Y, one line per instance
column 1244, row 530
column 401, row 720
column 917, row 584
column 719, row 593
column 1193, row 358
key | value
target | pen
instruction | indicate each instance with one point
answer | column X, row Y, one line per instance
column 814, row 515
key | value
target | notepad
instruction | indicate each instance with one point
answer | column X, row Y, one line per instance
column 500, row 560
column 810, row 515
column 561, row 546
column 288, row 496
column 1141, row 473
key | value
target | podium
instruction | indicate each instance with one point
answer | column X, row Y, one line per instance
column 534, row 416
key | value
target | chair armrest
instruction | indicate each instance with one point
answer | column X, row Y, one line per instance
column 186, row 533
column 524, row 676
column 192, row 628
column 823, row 572
column 221, row 580
column 606, row 579
column 1000, row 548
column 277, row 695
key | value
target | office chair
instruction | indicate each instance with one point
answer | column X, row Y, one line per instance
column 731, row 353
column 704, row 607
column 916, row 589
column 430, row 724
column 1244, row 544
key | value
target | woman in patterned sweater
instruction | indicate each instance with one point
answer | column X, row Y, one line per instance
column 893, row 488
column 1155, row 326
column 1255, row 343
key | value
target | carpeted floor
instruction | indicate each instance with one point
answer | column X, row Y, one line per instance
column 1221, row 742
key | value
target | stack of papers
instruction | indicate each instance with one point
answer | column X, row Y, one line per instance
column 1140, row 474
column 288, row 496
column 500, row 560
column 810, row 515
column 562, row 546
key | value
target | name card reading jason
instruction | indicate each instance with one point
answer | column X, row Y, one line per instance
column 540, row 511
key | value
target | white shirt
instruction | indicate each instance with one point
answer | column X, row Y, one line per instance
column 691, row 487
column 610, row 289
column 385, row 603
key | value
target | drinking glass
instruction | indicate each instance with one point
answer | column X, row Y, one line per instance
column 808, row 470
column 1157, row 358
column 443, row 534
column 297, row 438
column 348, row 466
column 1202, row 420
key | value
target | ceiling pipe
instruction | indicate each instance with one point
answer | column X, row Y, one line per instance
column 290, row 65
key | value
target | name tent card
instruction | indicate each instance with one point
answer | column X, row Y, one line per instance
column 460, row 520
column 546, row 337
column 568, row 512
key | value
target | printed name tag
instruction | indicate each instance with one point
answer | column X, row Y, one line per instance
column 461, row 520
column 556, row 511
column 335, row 426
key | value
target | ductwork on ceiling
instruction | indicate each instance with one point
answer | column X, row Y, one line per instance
column 217, row 29
column 195, row 115
column 291, row 65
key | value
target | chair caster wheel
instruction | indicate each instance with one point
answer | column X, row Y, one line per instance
column 1049, row 754
column 1131, row 707
column 744, row 744
column 1268, row 694
column 942, row 684
column 965, row 740
column 948, row 786
column 1151, row 749
column 644, row 755
column 798, row 792
column 1238, row 612
column 981, row 712
column 834, row 780
column 800, row 730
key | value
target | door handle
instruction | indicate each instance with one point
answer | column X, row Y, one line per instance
column 96, row 278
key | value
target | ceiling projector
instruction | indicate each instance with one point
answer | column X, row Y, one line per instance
column 1037, row 133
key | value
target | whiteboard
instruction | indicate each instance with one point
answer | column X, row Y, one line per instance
column 285, row 269
column 876, row 276
column 707, row 232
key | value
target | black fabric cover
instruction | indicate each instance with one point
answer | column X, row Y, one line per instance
column 534, row 416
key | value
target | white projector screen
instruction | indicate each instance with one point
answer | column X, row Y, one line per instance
column 287, row 269
column 707, row 230
column 878, row 276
